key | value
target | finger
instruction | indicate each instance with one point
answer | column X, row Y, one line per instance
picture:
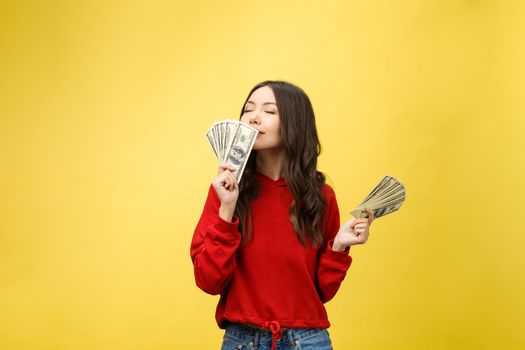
column 219, row 180
column 363, row 228
column 359, row 231
column 360, row 240
column 359, row 222
column 226, row 182
column 361, row 234
column 370, row 215
column 222, row 168
column 226, row 166
column 232, row 180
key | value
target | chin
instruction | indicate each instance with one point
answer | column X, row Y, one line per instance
column 258, row 145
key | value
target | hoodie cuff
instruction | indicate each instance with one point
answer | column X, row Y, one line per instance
column 344, row 255
column 226, row 226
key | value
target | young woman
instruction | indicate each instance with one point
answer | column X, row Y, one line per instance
column 271, row 246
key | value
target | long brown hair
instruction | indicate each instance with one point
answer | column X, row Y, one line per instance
column 302, row 147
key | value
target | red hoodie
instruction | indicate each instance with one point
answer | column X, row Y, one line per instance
column 273, row 281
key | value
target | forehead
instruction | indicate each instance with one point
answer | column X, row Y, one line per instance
column 262, row 95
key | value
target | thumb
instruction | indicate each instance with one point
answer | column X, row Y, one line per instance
column 349, row 224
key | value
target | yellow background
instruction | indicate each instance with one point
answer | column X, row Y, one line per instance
column 104, row 166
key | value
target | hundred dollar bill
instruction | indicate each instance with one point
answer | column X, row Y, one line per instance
column 230, row 127
column 386, row 182
column 378, row 212
column 239, row 150
column 211, row 141
column 385, row 198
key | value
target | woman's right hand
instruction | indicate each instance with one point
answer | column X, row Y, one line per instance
column 227, row 190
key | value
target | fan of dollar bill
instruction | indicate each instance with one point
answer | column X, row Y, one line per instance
column 232, row 142
column 384, row 199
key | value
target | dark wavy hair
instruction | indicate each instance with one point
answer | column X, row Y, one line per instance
column 302, row 147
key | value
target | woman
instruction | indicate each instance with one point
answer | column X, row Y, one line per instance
column 271, row 246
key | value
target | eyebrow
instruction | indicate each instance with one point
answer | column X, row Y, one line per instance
column 265, row 103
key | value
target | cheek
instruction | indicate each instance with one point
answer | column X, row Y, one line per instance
column 278, row 131
column 275, row 126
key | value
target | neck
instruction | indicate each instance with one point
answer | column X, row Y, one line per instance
column 270, row 162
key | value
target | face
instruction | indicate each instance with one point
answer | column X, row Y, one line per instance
column 260, row 111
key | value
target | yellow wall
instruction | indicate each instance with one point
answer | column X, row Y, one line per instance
column 104, row 167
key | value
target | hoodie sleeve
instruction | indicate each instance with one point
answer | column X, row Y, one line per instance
column 332, row 266
column 213, row 247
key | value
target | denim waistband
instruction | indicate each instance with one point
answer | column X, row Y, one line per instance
column 257, row 336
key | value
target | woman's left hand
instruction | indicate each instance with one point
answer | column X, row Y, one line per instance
column 354, row 231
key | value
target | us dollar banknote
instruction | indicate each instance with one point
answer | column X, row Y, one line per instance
column 239, row 150
column 232, row 142
column 385, row 198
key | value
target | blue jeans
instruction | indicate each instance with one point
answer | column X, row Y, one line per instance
column 239, row 337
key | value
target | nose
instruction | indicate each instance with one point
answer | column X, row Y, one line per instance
column 254, row 118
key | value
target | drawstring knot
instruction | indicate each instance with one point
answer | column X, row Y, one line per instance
column 276, row 330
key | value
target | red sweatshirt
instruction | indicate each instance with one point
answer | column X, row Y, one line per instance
column 273, row 279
